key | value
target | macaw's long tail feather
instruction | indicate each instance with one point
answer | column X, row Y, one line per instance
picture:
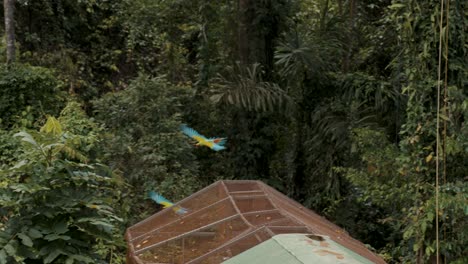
column 217, row 147
column 220, row 141
column 180, row 210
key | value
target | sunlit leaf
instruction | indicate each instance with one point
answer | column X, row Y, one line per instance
column 27, row 138
column 429, row 158
column 52, row 126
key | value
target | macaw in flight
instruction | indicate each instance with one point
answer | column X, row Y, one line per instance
column 166, row 203
column 215, row 144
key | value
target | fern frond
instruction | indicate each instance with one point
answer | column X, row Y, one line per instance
column 73, row 153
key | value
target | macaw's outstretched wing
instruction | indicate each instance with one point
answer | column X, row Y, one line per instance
column 215, row 144
column 160, row 199
column 166, row 203
column 192, row 133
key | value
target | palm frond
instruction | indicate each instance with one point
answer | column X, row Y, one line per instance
column 244, row 88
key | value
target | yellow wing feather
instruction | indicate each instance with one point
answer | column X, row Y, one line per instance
column 166, row 204
column 202, row 141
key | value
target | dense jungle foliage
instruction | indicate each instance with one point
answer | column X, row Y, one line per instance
column 333, row 103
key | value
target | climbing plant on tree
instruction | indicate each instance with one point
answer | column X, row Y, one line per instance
column 404, row 174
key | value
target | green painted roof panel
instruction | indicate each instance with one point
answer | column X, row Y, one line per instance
column 298, row 249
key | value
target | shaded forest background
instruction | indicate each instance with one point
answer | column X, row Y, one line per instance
column 333, row 103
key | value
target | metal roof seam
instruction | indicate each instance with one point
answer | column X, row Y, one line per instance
column 180, row 218
column 227, row 244
column 272, row 202
column 239, row 211
column 187, row 233
column 287, row 249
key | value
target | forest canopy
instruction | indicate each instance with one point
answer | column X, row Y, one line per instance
column 356, row 109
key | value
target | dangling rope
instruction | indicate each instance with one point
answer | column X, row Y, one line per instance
column 438, row 127
column 444, row 149
column 447, row 29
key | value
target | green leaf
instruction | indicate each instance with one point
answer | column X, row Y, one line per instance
column 20, row 164
column 10, row 249
column 396, row 6
column 53, row 237
column 423, row 227
column 34, row 233
column 216, row 98
column 429, row 250
column 52, row 255
column 52, row 126
column 408, row 233
column 60, row 227
column 82, row 258
column 26, row 240
column 444, row 117
column 3, row 257
column 26, row 137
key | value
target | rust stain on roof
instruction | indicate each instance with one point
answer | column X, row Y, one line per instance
column 324, row 244
column 324, row 252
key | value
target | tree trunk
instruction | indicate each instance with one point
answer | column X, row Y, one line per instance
column 299, row 167
column 243, row 37
column 340, row 7
column 351, row 24
column 9, row 6
column 323, row 17
column 299, row 162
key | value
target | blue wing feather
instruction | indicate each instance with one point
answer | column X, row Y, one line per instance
column 190, row 131
column 158, row 198
column 161, row 200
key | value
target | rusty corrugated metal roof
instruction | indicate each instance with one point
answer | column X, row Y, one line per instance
column 225, row 219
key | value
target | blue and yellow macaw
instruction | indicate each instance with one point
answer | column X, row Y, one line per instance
column 215, row 144
column 166, row 203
